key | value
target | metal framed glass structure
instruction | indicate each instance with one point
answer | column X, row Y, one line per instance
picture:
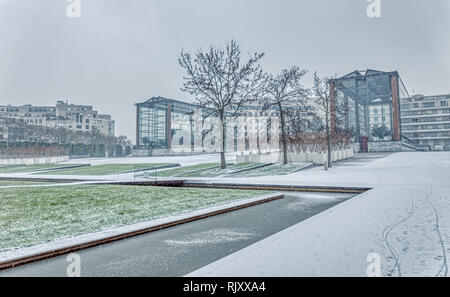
column 159, row 121
column 367, row 105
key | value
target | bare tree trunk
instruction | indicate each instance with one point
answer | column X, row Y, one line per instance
column 330, row 163
column 258, row 145
column 283, row 138
column 223, row 163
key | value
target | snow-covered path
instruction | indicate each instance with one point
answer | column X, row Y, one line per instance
column 405, row 219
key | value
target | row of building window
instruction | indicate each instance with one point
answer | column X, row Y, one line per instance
column 425, row 112
column 426, row 120
column 426, row 127
column 435, row 142
column 428, row 134
column 424, row 105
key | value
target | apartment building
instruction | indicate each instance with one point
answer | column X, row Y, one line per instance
column 426, row 120
column 73, row 117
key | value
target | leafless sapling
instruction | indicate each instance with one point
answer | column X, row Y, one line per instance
column 284, row 94
column 322, row 94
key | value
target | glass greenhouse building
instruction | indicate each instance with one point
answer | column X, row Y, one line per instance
column 159, row 119
column 166, row 125
column 367, row 105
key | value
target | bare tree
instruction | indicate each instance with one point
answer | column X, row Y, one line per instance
column 322, row 92
column 221, row 83
column 284, row 94
column 38, row 136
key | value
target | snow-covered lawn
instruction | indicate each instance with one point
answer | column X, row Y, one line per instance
column 183, row 160
column 215, row 172
column 233, row 170
column 105, row 169
column 36, row 215
column 275, row 169
column 184, row 170
column 133, row 161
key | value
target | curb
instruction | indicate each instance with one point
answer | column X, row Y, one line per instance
column 268, row 187
column 44, row 180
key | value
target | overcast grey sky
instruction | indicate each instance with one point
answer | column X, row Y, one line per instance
column 122, row 52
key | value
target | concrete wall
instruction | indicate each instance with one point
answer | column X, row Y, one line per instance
column 390, row 146
column 140, row 153
column 34, row 161
column 385, row 146
column 307, row 157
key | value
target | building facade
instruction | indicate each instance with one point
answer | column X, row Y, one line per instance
column 426, row 120
column 371, row 106
column 82, row 118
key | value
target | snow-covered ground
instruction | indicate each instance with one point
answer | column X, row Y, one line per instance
column 405, row 219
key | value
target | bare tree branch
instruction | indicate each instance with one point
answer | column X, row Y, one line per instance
column 220, row 82
column 284, row 93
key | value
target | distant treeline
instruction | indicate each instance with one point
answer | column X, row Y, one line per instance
column 18, row 150
column 33, row 151
column 30, row 140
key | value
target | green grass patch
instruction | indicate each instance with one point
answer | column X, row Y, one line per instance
column 106, row 169
column 30, row 168
column 36, row 215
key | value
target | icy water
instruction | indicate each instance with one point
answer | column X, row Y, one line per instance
column 182, row 249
